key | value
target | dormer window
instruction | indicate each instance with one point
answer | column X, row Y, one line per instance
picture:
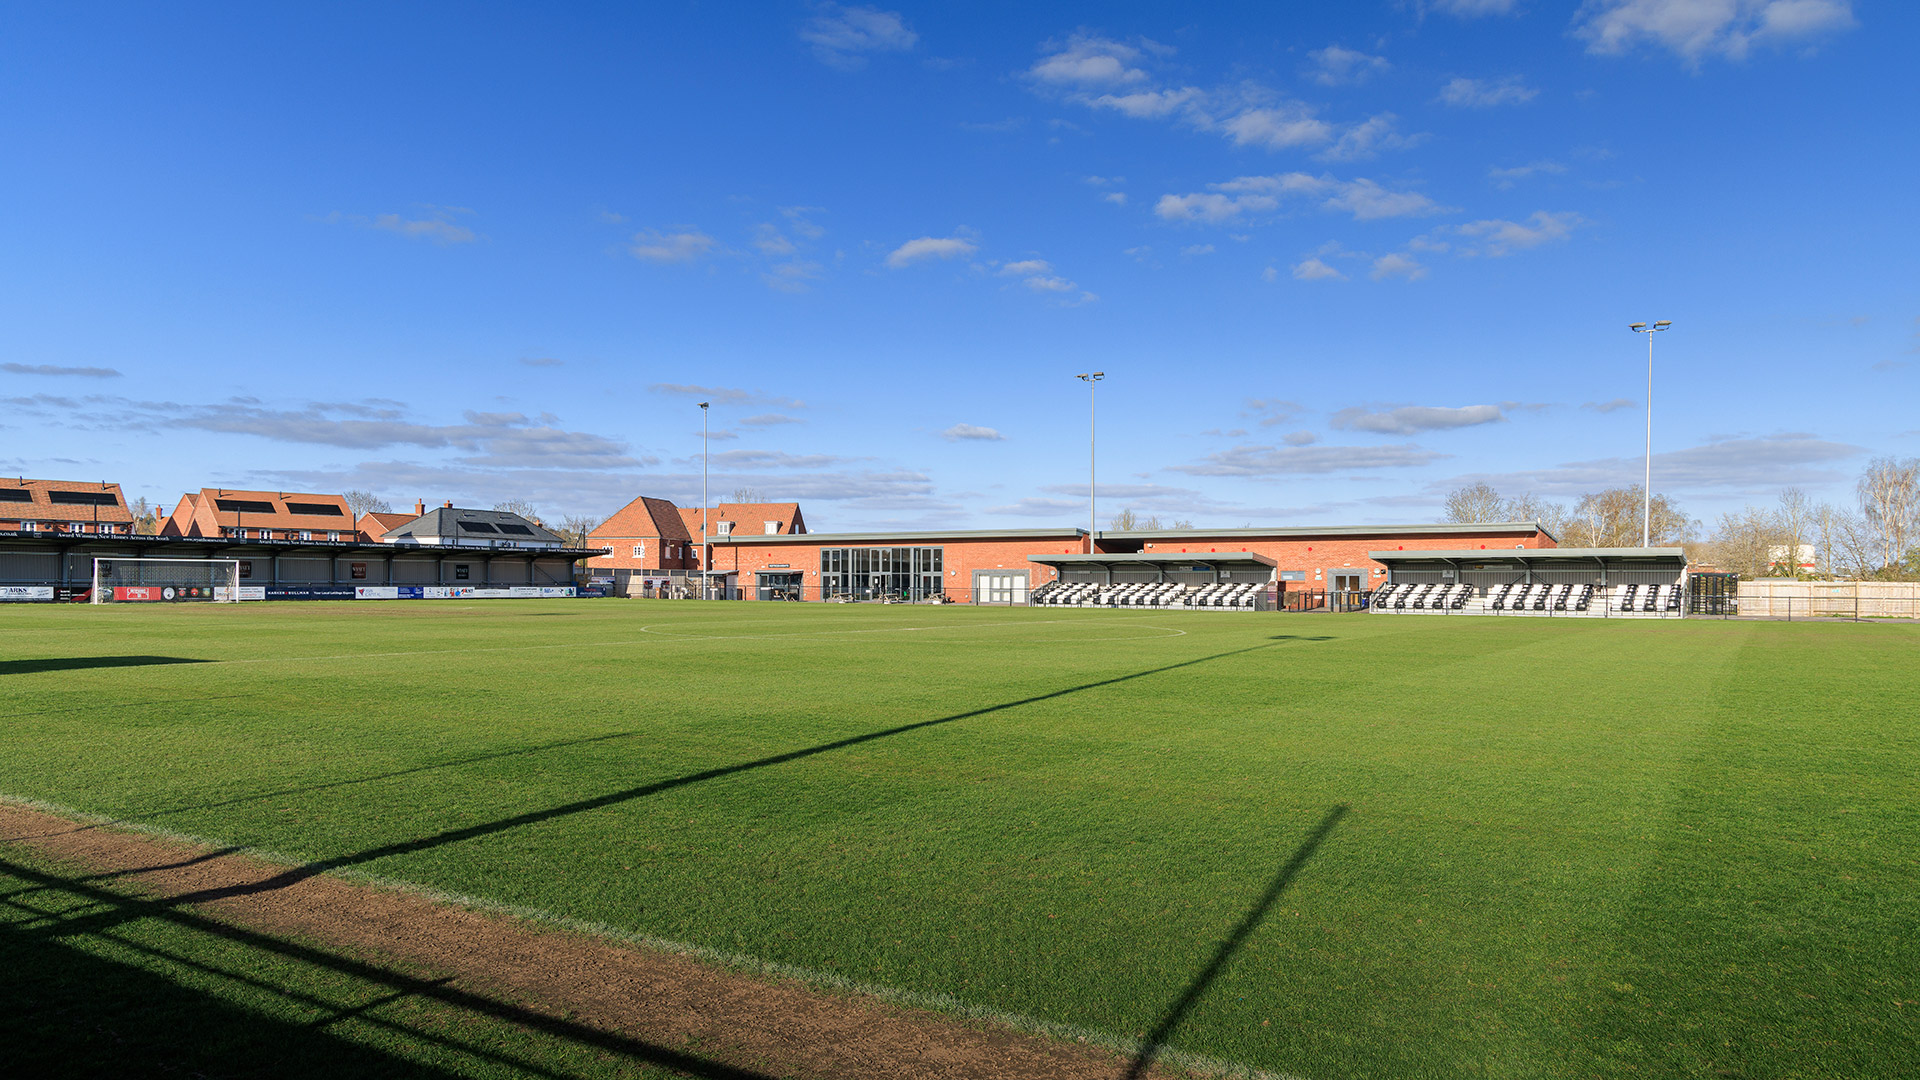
column 725, row 528
column 773, row 528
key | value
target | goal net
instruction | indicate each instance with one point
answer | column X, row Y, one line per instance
column 120, row 580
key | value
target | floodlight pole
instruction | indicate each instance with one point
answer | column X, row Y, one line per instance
column 1093, row 457
column 1646, row 487
column 706, row 552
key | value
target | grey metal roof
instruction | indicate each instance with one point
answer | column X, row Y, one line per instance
column 883, row 539
column 445, row 521
column 1445, row 528
column 1156, row 558
column 1660, row 554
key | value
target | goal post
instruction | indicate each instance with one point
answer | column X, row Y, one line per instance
column 119, row 579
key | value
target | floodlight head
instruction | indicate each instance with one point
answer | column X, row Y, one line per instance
column 1637, row 327
column 1663, row 324
column 703, row 404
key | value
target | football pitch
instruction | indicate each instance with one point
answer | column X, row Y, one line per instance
column 1318, row 846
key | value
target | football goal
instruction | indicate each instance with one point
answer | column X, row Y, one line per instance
column 122, row 579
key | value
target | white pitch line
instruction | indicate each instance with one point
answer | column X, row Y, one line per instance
column 918, row 999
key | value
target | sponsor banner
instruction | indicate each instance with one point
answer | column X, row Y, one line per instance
column 549, row 592
column 435, row 592
column 411, row 592
column 26, row 592
column 309, row 592
column 593, row 590
column 247, row 592
column 375, row 592
column 161, row 594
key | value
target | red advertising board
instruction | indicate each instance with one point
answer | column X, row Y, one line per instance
column 135, row 592
column 161, row 593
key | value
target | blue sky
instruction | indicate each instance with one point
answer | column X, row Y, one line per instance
column 1334, row 259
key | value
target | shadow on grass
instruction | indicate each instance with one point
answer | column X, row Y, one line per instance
column 1177, row 1012
column 67, row 1012
column 78, row 663
column 376, row 777
column 615, row 798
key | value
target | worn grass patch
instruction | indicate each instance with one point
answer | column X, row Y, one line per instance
column 1569, row 847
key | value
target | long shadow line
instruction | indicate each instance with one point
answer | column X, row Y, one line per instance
column 125, row 909
column 533, row 817
column 376, row 777
column 1177, row 1013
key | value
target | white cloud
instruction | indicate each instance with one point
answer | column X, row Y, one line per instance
column 1497, row 237
column 1697, row 28
column 438, row 226
column 731, row 395
column 1257, row 461
column 1270, row 275
column 770, row 420
column 1049, row 283
column 1148, row 104
column 55, row 369
column 770, row 241
column 930, row 247
column 682, row 243
column 972, row 433
column 1484, row 93
column 1412, row 419
column 1336, row 66
column 1397, row 265
column 1089, row 61
column 1506, row 178
column 1279, row 127
column 843, row 36
column 1368, row 201
column 1025, row 266
column 1300, row 438
column 1759, row 463
column 1117, row 198
column 1612, row 405
column 1315, row 270
column 793, row 277
column 1365, row 199
column 1468, row 9
column 1197, row 249
column 1367, row 139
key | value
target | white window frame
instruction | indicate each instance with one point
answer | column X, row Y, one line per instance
column 306, row 534
column 333, row 536
column 773, row 528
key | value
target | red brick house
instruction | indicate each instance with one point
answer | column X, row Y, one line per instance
column 64, row 506
column 261, row 515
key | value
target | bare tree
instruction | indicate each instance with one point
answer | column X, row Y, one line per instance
column 1612, row 518
column 1746, row 543
column 747, row 495
column 1181, row 523
column 519, row 506
column 1124, row 521
column 363, row 502
column 145, row 521
column 1476, row 503
column 1795, row 524
column 1890, row 504
column 575, row 527
column 1530, row 507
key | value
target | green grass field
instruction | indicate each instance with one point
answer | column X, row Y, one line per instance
column 1432, row 847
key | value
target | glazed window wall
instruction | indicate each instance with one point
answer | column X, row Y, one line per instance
column 871, row 573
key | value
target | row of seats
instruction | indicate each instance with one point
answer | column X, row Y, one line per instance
column 1426, row 596
column 1146, row 594
column 1528, row 597
column 1644, row 598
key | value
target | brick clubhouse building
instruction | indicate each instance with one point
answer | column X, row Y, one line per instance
column 763, row 551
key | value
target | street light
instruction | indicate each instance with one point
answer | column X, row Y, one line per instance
column 1646, row 490
column 1093, row 426
column 706, row 551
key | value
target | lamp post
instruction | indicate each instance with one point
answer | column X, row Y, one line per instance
column 706, row 552
column 1646, row 489
column 1093, row 432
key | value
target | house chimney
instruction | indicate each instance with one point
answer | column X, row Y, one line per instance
column 419, row 507
column 447, row 505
